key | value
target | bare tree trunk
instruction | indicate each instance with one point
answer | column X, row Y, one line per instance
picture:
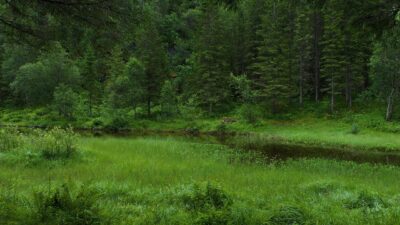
column 389, row 109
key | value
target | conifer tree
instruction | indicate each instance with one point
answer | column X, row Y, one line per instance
column 152, row 53
column 333, row 60
column 275, row 60
column 90, row 76
column 211, row 83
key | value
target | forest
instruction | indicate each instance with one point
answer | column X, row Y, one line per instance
column 184, row 58
column 199, row 112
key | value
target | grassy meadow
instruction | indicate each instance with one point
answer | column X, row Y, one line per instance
column 154, row 180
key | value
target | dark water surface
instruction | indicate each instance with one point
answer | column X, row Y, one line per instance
column 270, row 150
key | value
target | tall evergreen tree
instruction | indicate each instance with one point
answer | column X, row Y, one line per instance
column 152, row 53
column 211, row 83
column 274, row 64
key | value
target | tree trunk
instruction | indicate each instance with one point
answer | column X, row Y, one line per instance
column 389, row 110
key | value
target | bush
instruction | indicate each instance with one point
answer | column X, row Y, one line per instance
column 65, row 101
column 117, row 123
column 10, row 139
column 62, row 207
column 192, row 129
column 11, row 211
column 367, row 200
column 221, row 128
column 288, row 216
column 205, row 198
column 208, row 204
column 250, row 114
column 354, row 129
column 54, row 144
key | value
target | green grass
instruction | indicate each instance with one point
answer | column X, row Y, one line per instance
column 145, row 181
column 303, row 128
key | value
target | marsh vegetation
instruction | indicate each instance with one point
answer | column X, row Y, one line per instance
column 167, row 180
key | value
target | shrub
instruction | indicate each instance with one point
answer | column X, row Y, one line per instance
column 354, row 129
column 169, row 103
column 55, row 144
column 208, row 204
column 221, row 128
column 65, row 101
column 219, row 217
column 192, row 129
column 367, row 200
column 288, row 215
column 323, row 188
column 11, row 211
column 62, row 207
column 205, row 198
column 10, row 139
column 117, row 123
column 250, row 114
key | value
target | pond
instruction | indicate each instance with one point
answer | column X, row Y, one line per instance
column 271, row 150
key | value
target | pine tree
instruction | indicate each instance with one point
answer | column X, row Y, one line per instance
column 303, row 48
column 169, row 106
column 151, row 52
column 211, row 83
column 274, row 64
column 90, row 77
column 333, row 59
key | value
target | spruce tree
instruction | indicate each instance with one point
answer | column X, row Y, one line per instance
column 211, row 84
column 152, row 53
column 274, row 64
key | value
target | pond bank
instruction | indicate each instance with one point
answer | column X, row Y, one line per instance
column 272, row 144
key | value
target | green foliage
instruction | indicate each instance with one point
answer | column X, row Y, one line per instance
column 248, row 193
column 35, row 82
column 12, row 209
column 192, row 129
column 217, row 54
column 206, row 197
column 243, row 86
column 288, row 215
column 169, row 105
column 209, row 204
column 10, row 139
column 62, row 207
column 152, row 54
column 65, row 101
column 383, row 62
column 367, row 200
column 54, row 144
column 221, row 128
column 211, row 80
column 250, row 113
column 355, row 129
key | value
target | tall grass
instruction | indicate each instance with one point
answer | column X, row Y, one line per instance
column 168, row 181
column 53, row 144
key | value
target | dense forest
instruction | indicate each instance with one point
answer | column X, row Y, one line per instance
column 172, row 58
